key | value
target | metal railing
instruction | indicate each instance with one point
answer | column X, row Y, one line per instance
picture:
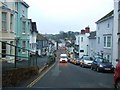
column 11, row 59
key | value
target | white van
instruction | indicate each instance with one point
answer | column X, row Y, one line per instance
column 63, row 58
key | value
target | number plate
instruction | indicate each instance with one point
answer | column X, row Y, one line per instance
column 107, row 68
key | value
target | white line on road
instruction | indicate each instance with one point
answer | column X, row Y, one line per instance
column 36, row 80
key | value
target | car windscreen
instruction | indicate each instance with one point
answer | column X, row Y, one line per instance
column 103, row 60
column 63, row 56
column 87, row 58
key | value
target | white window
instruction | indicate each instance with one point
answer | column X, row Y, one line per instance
column 23, row 46
column 78, row 40
column 11, row 22
column 107, row 41
column 108, row 57
column 4, row 46
column 98, row 40
column 16, row 6
column 104, row 41
column 98, row 27
column 81, row 39
column 108, row 25
column 4, row 21
column 23, row 26
column 11, row 47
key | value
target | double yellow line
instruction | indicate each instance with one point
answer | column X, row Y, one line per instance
column 38, row 78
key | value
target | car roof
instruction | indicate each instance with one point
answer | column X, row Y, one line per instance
column 63, row 55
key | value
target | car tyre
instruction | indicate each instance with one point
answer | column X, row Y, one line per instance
column 83, row 66
column 91, row 68
column 118, row 85
column 97, row 69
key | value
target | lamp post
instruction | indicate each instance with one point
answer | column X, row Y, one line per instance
column 102, row 54
column 87, row 49
column 17, row 40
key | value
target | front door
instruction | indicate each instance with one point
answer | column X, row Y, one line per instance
column 3, row 49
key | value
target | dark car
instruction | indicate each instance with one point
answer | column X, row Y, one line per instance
column 117, row 76
column 77, row 61
column 100, row 64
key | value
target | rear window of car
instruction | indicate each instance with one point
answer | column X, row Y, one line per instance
column 103, row 60
column 87, row 58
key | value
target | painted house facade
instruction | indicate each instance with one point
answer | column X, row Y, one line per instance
column 76, row 47
column 116, row 32
column 42, row 45
column 22, row 29
column 84, row 42
column 33, row 36
column 7, row 15
column 104, row 36
column 92, row 44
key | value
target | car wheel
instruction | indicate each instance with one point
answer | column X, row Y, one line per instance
column 83, row 65
column 118, row 85
column 91, row 68
column 97, row 69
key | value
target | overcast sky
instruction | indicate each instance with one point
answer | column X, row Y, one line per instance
column 53, row 16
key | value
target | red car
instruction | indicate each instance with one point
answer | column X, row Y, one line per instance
column 117, row 76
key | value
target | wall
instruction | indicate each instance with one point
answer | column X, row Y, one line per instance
column 83, row 45
column 102, row 29
column 92, row 47
column 115, row 31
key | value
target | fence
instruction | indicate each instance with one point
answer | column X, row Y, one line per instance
column 11, row 56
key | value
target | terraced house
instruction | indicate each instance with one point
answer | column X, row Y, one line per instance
column 7, row 31
column 104, row 36
column 116, row 32
column 15, row 29
column 22, row 29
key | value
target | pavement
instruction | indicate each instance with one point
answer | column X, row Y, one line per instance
column 40, row 61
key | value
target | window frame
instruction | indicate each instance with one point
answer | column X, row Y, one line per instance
column 4, row 21
column 23, row 46
column 23, row 27
column 107, row 44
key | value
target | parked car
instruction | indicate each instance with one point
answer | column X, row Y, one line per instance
column 117, row 76
column 86, row 61
column 97, row 56
column 63, row 58
column 72, row 60
column 77, row 61
column 100, row 64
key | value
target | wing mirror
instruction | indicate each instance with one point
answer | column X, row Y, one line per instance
column 117, row 60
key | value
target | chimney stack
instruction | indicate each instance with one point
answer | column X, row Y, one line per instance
column 87, row 29
column 82, row 31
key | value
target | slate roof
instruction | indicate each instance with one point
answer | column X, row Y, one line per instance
column 92, row 35
column 106, row 16
column 41, row 37
column 34, row 27
column 25, row 4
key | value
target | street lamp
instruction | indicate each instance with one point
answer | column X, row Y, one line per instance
column 102, row 54
column 87, row 49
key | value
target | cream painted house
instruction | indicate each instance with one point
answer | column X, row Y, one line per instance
column 116, row 32
column 7, row 31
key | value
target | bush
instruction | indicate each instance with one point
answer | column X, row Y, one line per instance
column 51, row 60
column 16, row 76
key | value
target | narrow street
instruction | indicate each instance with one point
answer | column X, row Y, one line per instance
column 67, row 75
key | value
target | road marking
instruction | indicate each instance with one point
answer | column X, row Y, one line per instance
column 36, row 80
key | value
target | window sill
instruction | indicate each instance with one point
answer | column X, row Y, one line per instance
column 4, row 31
column 23, row 52
column 107, row 47
column 23, row 33
column 11, row 31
